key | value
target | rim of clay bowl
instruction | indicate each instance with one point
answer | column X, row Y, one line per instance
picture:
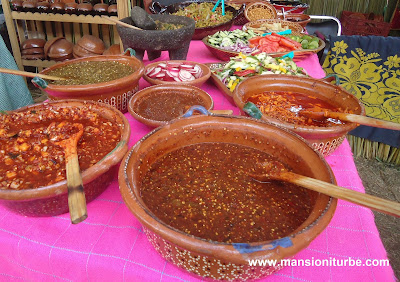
column 309, row 229
column 197, row 82
column 164, row 89
column 111, row 159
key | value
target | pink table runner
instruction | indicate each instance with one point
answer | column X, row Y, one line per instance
column 111, row 246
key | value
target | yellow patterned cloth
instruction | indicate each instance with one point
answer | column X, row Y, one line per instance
column 369, row 68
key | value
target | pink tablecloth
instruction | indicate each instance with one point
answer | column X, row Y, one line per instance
column 111, row 246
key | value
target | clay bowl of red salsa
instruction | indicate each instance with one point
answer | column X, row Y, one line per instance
column 158, row 104
column 276, row 94
column 32, row 167
column 188, row 184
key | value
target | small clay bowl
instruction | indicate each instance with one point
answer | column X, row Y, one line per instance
column 49, row 43
column 29, row 6
column 92, row 44
column 142, row 101
column 100, row 9
column 16, row 5
column 84, row 8
column 301, row 19
column 33, row 57
column 57, row 7
column 43, row 7
column 112, row 10
column 33, row 43
column 32, row 51
column 206, row 73
column 113, row 50
column 70, row 8
column 80, row 52
column 60, row 48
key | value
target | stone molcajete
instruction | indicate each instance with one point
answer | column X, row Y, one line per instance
column 175, row 41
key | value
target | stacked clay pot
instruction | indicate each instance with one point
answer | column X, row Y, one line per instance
column 33, row 49
column 58, row 49
column 88, row 46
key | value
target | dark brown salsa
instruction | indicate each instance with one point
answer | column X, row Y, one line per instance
column 205, row 190
column 167, row 105
column 29, row 154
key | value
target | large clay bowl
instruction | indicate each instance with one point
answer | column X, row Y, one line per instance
column 170, row 92
column 176, row 41
column 52, row 200
column 199, row 33
column 211, row 259
column 116, row 92
column 323, row 139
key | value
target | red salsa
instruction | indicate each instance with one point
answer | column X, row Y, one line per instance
column 205, row 190
column 287, row 107
column 29, row 154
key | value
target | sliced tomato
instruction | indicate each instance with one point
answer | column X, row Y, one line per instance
column 272, row 38
column 244, row 72
column 255, row 40
column 286, row 43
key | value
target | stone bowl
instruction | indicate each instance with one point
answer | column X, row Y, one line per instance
column 199, row 33
column 211, row 259
column 52, row 199
column 176, row 41
column 141, row 109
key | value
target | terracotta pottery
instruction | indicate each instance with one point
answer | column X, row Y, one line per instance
column 16, row 5
column 32, row 51
column 112, row 10
column 323, row 139
column 100, row 8
column 114, row 49
column 60, row 48
column 49, row 43
column 167, row 90
column 33, row 43
column 210, row 259
column 197, row 82
column 175, row 41
column 71, row 8
column 84, row 8
column 29, row 5
column 43, row 7
column 57, row 7
column 301, row 19
column 52, row 200
column 116, row 92
column 80, row 52
column 92, row 44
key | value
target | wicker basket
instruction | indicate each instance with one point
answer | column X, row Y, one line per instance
column 261, row 26
column 260, row 11
column 363, row 24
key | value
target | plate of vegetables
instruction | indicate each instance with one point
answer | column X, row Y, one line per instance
column 207, row 22
column 226, row 44
column 227, row 75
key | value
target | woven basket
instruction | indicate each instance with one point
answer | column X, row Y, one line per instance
column 363, row 24
column 260, row 11
column 262, row 26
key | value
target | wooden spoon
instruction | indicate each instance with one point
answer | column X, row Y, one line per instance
column 31, row 74
column 351, row 118
column 276, row 171
column 66, row 135
column 121, row 23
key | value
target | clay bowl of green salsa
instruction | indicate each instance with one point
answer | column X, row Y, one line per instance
column 207, row 22
column 188, row 184
column 111, row 79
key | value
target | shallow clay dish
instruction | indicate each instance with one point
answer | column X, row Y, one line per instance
column 211, row 259
column 170, row 105
column 92, row 44
column 323, row 139
column 197, row 82
column 52, row 200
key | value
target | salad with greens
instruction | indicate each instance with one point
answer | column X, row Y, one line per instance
column 243, row 66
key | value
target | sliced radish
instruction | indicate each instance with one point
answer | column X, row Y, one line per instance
column 175, row 72
column 184, row 75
